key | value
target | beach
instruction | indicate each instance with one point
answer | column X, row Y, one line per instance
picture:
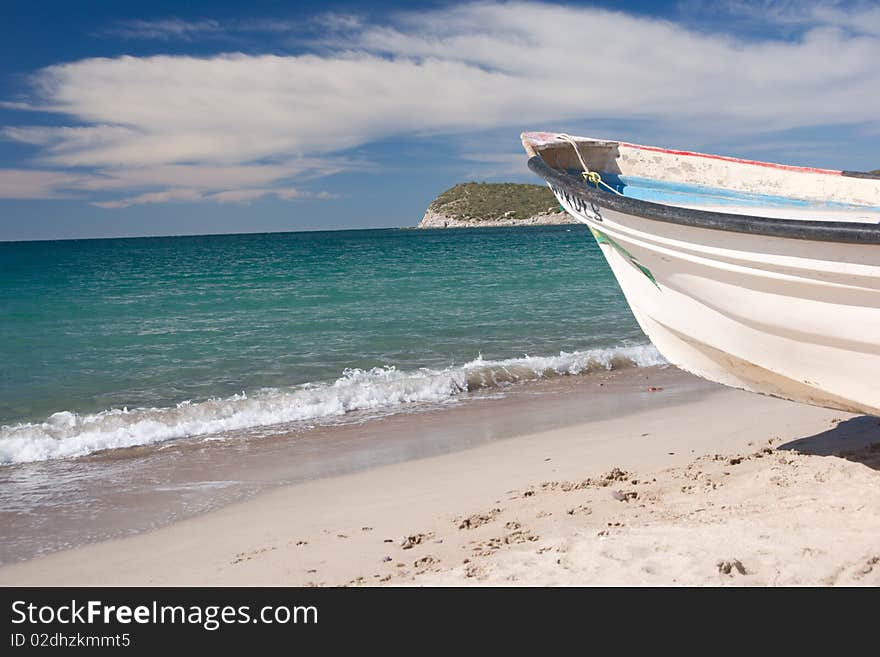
column 147, row 381
column 305, row 296
column 394, row 408
column 652, row 477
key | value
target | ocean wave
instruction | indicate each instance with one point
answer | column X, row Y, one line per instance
column 66, row 434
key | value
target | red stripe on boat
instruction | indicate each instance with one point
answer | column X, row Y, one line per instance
column 547, row 137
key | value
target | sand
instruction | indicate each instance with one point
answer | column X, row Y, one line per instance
column 727, row 488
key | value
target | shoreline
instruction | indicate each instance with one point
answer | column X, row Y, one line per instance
column 336, row 530
column 476, row 205
column 61, row 504
column 434, row 219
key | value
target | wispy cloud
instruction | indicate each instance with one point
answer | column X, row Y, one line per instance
column 491, row 166
column 176, row 29
column 39, row 184
column 186, row 195
column 460, row 69
column 174, row 182
column 854, row 16
column 335, row 22
column 166, row 30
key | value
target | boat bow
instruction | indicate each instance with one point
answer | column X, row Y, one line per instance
column 758, row 284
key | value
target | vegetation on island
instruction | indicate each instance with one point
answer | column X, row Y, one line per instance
column 484, row 201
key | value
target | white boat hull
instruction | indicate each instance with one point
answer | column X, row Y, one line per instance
column 760, row 276
column 786, row 317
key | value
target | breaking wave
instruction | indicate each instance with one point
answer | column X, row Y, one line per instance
column 66, row 434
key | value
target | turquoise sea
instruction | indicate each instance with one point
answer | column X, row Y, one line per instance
column 119, row 342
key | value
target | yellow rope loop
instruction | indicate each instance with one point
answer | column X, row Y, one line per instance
column 589, row 176
column 593, row 177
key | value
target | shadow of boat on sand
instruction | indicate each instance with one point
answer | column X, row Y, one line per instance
column 856, row 439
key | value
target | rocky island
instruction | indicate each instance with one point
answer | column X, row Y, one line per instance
column 475, row 205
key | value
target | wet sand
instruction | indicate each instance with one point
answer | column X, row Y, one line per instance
column 649, row 478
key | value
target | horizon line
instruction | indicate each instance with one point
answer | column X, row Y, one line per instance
column 259, row 232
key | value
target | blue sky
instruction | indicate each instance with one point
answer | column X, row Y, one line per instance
column 158, row 118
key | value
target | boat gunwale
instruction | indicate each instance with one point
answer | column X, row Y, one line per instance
column 869, row 175
column 801, row 229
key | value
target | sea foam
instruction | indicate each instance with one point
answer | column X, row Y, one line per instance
column 66, row 434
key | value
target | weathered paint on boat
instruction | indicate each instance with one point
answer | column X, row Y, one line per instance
column 780, row 298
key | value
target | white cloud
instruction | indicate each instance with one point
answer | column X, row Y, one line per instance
column 189, row 195
column 177, row 182
column 458, row 69
column 37, row 184
column 494, row 165
column 857, row 17
column 176, row 29
column 221, row 177
column 167, row 29
column 338, row 22
column 181, row 194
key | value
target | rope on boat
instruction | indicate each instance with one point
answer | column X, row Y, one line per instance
column 588, row 174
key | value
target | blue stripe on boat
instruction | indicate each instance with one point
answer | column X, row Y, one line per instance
column 674, row 193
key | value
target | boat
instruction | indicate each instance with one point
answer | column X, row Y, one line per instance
column 759, row 276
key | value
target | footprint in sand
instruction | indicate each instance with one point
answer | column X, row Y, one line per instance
column 727, row 567
column 520, row 535
column 409, row 542
column 247, row 556
column 473, row 570
column 615, row 474
column 478, row 519
column 580, row 510
column 868, row 568
column 423, row 564
column 610, row 527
